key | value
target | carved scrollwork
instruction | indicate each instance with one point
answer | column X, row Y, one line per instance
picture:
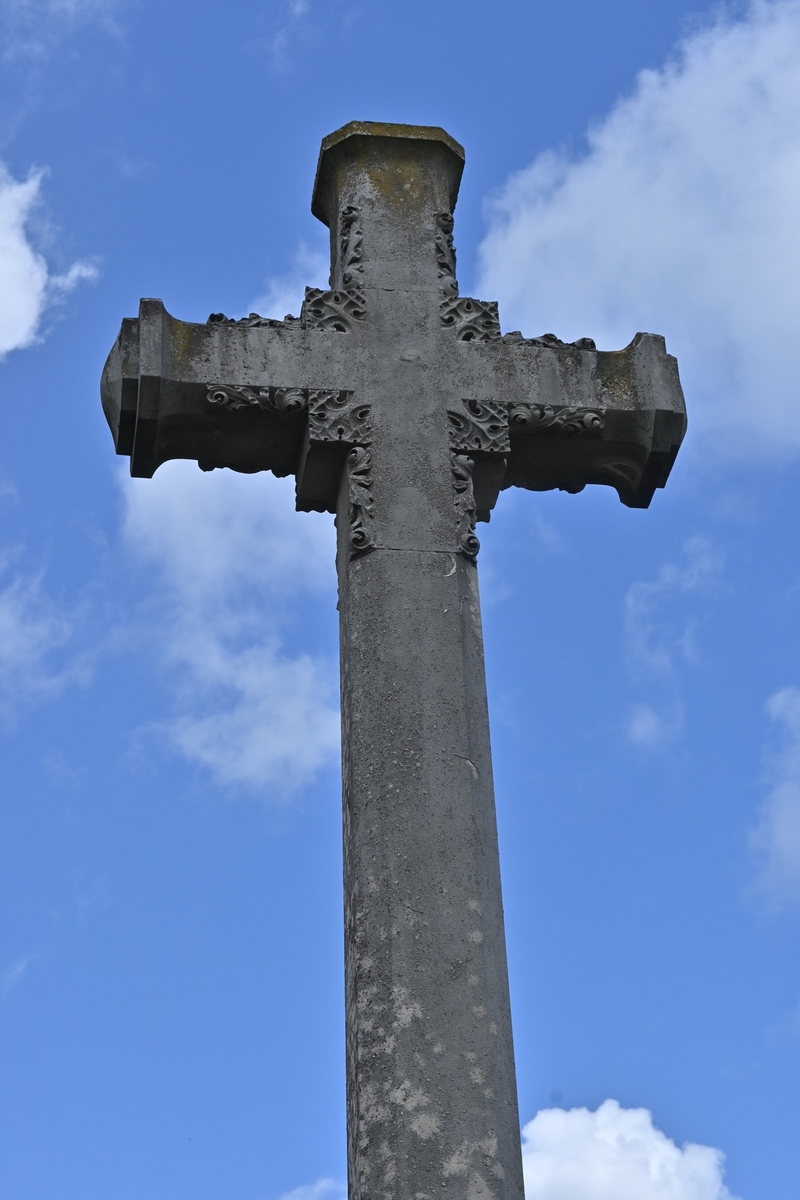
column 252, row 319
column 569, row 419
column 282, row 402
column 472, row 320
column 351, row 239
column 234, row 398
column 464, row 501
column 479, row 425
column 288, row 402
column 336, row 310
column 446, row 254
column 548, row 339
column 338, row 417
column 361, row 506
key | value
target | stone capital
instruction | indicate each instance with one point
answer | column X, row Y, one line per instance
column 392, row 155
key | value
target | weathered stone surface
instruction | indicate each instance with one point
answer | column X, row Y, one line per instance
column 399, row 406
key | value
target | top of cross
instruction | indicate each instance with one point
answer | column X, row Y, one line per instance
column 357, row 139
column 422, row 374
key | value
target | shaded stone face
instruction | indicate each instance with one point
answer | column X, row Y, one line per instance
column 399, row 406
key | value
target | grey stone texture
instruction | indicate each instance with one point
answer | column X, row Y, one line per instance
column 400, row 407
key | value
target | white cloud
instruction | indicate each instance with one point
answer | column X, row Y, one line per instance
column 659, row 633
column 681, row 219
column 13, row 975
column 776, row 839
column 651, row 729
column 614, row 1154
column 284, row 293
column 34, row 28
column 32, row 632
column 317, row 1191
column 27, row 286
column 235, row 559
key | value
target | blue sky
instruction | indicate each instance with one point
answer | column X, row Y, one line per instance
column 171, row 1017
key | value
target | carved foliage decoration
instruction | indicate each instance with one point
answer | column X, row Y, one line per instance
column 446, row 254
column 569, row 419
column 466, row 513
column 281, row 402
column 252, row 319
column 548, row 340
column 351, row 248
column 472, row 320
column 361, row 505
column 335, row 310
column 479, row 425
column 338, row 417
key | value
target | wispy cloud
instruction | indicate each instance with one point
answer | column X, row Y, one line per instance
column 615, row 1154
column 680, row 218
column 13, row 975
column 776, row 838
column 289, row 26
column 28, row 287
column 233, row 559
column 32, row 29
column 33, row 637
column 321, row 1190
column 298, row 21
column 660, row 637
column 283, row 294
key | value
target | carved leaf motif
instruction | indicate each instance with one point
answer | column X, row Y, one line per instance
column 472, row 320
column 283, row 402
column 351, row 248
column 361, row 506
column 446, row 254
column 548, row 339
column 479, row 425
column 332, row 310
column 287, row 401
column 338, row 417
column 466, row 512
column 252, row 319
column 570, row 419
column 233, row 398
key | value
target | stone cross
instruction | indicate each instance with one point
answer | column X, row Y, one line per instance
column 400, row 407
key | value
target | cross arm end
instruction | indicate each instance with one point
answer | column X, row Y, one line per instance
column 579, row 416
column 224, row 394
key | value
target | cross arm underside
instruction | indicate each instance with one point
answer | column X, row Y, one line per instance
column 564, row 416
column 224, row 393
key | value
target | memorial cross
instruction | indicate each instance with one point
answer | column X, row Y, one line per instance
column 401, row 408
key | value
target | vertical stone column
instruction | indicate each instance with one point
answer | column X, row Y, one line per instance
column 432, row 1104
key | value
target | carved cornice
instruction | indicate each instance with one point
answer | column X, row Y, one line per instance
column 361, row 505
column 464, row 501
column 472, row 320
column 281, row 402
column 339, row 310
column 338, row 417
column 568, row 419
column 479, row 425
column 446, row 254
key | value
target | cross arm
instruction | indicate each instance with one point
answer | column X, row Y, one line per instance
column 579, row 415
column 569, row 415
column 226, row 393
